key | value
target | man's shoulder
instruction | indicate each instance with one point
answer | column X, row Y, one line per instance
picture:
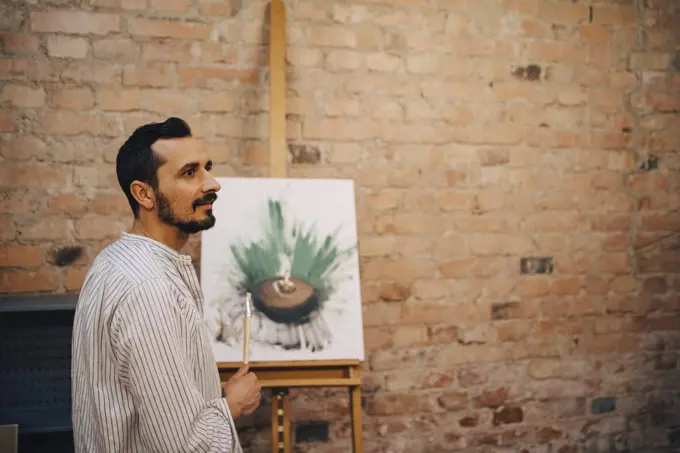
column 118, row 270
column 135, row 263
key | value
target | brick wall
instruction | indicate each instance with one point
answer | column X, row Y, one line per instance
column 479, row 133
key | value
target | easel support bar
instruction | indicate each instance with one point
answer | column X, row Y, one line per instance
column 322, row 374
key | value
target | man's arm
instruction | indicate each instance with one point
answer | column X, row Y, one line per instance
column 146, row 334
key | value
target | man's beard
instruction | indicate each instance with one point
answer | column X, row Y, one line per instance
column 167, row 215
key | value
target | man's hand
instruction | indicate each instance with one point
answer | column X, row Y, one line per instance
column 243, row 392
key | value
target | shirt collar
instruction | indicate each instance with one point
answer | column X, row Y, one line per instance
column 156, row 246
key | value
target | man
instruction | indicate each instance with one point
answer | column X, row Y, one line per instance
column 144, row 376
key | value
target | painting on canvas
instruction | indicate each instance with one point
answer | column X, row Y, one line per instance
column 292, row 245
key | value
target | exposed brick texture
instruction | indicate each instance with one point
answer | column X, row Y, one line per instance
column 479, row 132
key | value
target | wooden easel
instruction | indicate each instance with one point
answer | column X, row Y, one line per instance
column 281, row 376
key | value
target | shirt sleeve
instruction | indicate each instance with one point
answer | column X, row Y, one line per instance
column 148, row 337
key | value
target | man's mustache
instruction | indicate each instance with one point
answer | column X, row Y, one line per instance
column 209, row 198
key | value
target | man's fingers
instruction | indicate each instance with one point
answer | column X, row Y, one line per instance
column 242, row 370
column 255, row 395
column 254, row 402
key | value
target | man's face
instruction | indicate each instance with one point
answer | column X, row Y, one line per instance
column 186, row 189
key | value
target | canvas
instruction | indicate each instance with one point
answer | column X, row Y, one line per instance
column 292, row 245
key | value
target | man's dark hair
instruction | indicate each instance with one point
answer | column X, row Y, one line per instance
column 137, row 162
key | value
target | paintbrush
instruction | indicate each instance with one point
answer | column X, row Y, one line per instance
column 246, row 330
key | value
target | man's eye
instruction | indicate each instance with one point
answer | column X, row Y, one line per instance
column 190, row 172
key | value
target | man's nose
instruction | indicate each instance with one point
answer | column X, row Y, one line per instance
column 211, row 184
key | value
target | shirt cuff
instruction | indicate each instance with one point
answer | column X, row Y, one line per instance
column 221, row 405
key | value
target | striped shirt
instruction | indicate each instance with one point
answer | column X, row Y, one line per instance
column 144, row 378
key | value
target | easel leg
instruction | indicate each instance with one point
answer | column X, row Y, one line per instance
column 280, row 420
column 357, row 427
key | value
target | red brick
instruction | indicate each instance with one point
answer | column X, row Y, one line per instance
column 514, row 330
column 216, row 9
column 435, row 314
column 19, row 44
column 106, row 3
column 606, row 98
column 409, row 223
column 33, row 176
column 13, row 69
column 179, row 51
column 116, row 49
column 73, row 98
column 119, row 99
column 25, row 281
column 649, row 61
column 544, row 52
column 667, row 323
column 109, row 204
column 69, row 203
column 65, row 47
column 443, row 334
column 18, row 202
column 175, row 6
column 595, row 34
column 376, row 338
column 381, row 314
column 218, row 102
column 77, row 149
column 382, row 62
column 394, row 292
column 47, row 228
column 133, row 5
column 310, row 12
column 547, row 434
column 70, row 123
column 386, row 403
column 167, row 101
column 563, row 13
column 7, row 229
column 97, row 175
column 618, row 15
column 217, row 52
column 452, row 400
column 95, row 72
column 331, row 36
column 78, row 22
column 20, row 256
column 157, row 75
column 168, row 28
column 22, row 96
column 303, row 56
column 220, row 153
column 255, row 155
column 335, row 129
column 342, row 107
column 215, row 77
column 407, row 336
column 97, row 227
column 75, row 276
column 343, row 59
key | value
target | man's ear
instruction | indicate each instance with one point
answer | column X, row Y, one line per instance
column 144, row 195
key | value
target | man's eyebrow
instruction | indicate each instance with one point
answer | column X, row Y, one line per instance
column 194, row 166
column 189, row 166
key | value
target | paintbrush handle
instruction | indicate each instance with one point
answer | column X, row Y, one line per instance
column 246, row 338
